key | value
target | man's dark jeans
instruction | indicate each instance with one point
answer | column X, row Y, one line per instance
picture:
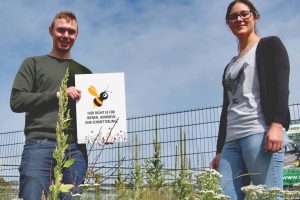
column 36, row 169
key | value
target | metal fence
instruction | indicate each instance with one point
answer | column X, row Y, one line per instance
column 200, row 127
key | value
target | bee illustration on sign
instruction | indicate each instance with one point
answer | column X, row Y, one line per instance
column 98, row 101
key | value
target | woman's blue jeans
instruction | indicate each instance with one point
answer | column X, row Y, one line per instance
column 245, row 160
column 37, row 163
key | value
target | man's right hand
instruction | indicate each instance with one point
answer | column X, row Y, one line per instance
column 72, row 92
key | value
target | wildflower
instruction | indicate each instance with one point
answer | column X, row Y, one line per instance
column 96, row 185
column 84, row 186
column 209, row 180
column 275, row 190
column 289, row 195
column 253, row 188
column 76, row 196
column 222, row 197
column 296, row 185
column 91, row 189
column 253, row 191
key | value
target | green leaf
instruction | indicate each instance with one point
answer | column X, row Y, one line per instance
column 69, row 162
column 65, row 187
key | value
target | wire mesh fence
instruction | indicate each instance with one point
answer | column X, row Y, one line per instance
column 198, row 128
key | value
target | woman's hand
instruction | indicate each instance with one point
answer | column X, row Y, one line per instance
column 274, row 138
column 214, row 164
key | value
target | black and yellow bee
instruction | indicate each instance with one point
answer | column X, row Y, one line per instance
column 98, row 101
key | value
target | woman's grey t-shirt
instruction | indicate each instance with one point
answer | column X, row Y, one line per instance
column 244, row 116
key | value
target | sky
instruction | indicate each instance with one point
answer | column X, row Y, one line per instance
column 173, row 52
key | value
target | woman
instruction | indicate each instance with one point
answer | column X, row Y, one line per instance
column 255, row 112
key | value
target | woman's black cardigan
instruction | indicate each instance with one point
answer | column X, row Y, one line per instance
column 273, row 71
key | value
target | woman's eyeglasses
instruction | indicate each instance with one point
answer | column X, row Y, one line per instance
column 243, row 14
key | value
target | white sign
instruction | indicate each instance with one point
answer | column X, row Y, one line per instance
column 101, row 110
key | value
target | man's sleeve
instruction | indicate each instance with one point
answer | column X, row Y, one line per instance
column 23, row 97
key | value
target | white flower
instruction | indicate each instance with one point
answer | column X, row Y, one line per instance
column 76, row 195
column 253, row 188
column 84, row 186
column 296, row 185
column 96, row 185
column 275, row 189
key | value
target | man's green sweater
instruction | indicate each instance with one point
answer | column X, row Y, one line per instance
column 34, row 92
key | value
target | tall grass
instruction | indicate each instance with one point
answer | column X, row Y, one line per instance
column 63, row 123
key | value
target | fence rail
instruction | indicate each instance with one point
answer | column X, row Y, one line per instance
column 199, row 125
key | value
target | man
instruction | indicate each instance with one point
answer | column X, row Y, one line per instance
column 36, row 91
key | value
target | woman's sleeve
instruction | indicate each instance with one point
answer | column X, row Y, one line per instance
column 223, row 123
column 223, row 119
column 280, row 69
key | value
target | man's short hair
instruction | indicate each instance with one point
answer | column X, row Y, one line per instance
column 67, row 15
